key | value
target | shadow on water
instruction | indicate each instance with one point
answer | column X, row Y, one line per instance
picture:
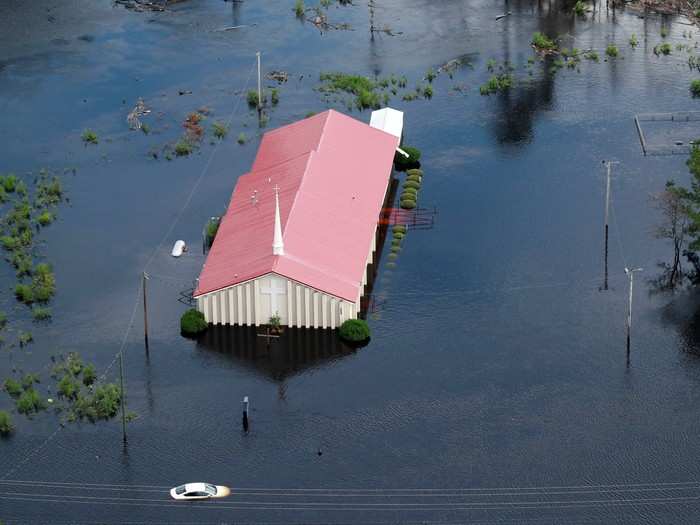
column 295, row 351
column 683, row 313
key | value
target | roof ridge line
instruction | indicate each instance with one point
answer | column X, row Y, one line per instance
column 310, row 154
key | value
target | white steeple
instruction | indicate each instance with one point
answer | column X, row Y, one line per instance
column 277, row 243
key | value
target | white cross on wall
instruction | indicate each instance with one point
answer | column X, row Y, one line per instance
column 276, row 288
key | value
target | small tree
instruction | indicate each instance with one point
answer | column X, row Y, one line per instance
column 192, row 323
column 6, row 426
column 674, row 226
column 354, row 331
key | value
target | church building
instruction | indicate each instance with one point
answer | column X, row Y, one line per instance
column 301, row 227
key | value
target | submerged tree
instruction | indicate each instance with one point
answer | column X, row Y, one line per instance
column 675, row 226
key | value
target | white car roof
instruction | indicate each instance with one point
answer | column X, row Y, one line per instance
column 195, row 487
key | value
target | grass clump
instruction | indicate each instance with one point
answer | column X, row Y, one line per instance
column 45, row 218
column 579, row 8
column 497, row 83
column 253, row 99
column 633, row 40
column 220, row 130
column 428, row 92
column 299, row 8
column 12, row 387
column 192, row 323
column 183, row 148
column 592, row 55
column 30, row 402
column 9, row 183
column 89, row 375
column 542, row 42
column 68, row 387
column 430, row 75
column 104, row 403
column 663, row 49
column 354, row 331
column 362, row 87
column 24, row 293
column 664, row 31
column 275, row 96
column 25, row 338
column 241, row 138
column 89, row 137
column 695, row 88
column 6, row 426
column 29, row 380
column 40, row 313
column 612, row 51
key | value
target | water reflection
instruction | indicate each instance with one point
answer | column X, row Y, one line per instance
column 295, row 351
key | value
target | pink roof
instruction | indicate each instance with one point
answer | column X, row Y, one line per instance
column 333, row 172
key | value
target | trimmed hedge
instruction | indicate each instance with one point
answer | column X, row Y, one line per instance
column 411, row 184
column 354, row 331
column 192, row 323
column 399, row 235
column 399, row 228
column 402, row 163
column 408, row 205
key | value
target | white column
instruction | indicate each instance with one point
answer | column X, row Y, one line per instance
column 300, row 313
column 324, row 311
column 317, row 313
column 231, row 320
column 248, row 306
column 307, row 306
column 334, row 309
column 240, row 319
column 290, row 303
column 256, row 302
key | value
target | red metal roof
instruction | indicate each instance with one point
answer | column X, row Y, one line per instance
column 332, row 171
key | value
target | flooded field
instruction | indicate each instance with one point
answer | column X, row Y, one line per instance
column 495, row 388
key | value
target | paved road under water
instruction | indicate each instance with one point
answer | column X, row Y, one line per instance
column 495, row 360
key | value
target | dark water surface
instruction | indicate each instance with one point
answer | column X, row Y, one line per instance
column 495, row 360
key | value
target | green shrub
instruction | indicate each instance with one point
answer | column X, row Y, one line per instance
column 275, row 96
column 25, row 338
column 612, row 51
column 579, row 8
column 23, row 262
column 45, row 218
column 395, row 242
column 252, row 98
column 396, row 248
column 633, row 40
column 3, row 320
column 408, row 205
column 12, row 387
column 354, row 331
column 192, row 322
column 497, row 83
column 398, row 228
column 68, row 387
column 89, row 375
column 220, row 130
column 24, row 293
column 591, row 55
column 414, row 172
column 664, row 31
column 663, row 49
column 183, row 148
column 414, row 178
column 399, row 235
column 89, row 137
column 540, row 41
column 695, row 87
column 28, row 381
column 103, row 404
column 6, row 426
column 414, row 191
column 299, row 8
column 428, row 92
column 402, row 163
column 10, row 183
column 10, row 243
column 242, row 138
column 411, row 184
column 40, row 313
column 29, row 402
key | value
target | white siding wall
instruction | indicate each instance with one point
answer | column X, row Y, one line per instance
column 251, row 303
column 297, row 305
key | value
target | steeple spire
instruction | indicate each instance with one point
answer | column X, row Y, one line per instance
column 277, row 243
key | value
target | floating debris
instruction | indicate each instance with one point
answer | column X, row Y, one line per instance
column 133, row 118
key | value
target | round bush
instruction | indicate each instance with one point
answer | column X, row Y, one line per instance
column 410, row 190
column 399, row 235
column 411, row 184
column 6, row 426
column 413, row 178
column 402, row 163
column 408, row 196
column 395, row 249
column 400, row 228
column 354, row 331
column 408, row 205
column 414, row 173
column 192, row 322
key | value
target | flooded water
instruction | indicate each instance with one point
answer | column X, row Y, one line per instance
column 495, row 388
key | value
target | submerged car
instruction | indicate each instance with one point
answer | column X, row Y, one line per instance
column 194, row 491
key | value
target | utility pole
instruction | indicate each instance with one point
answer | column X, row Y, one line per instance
column 630, row 274
column 145, row 310
column 259, row 83
column 123, row 394
column 608, row 164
